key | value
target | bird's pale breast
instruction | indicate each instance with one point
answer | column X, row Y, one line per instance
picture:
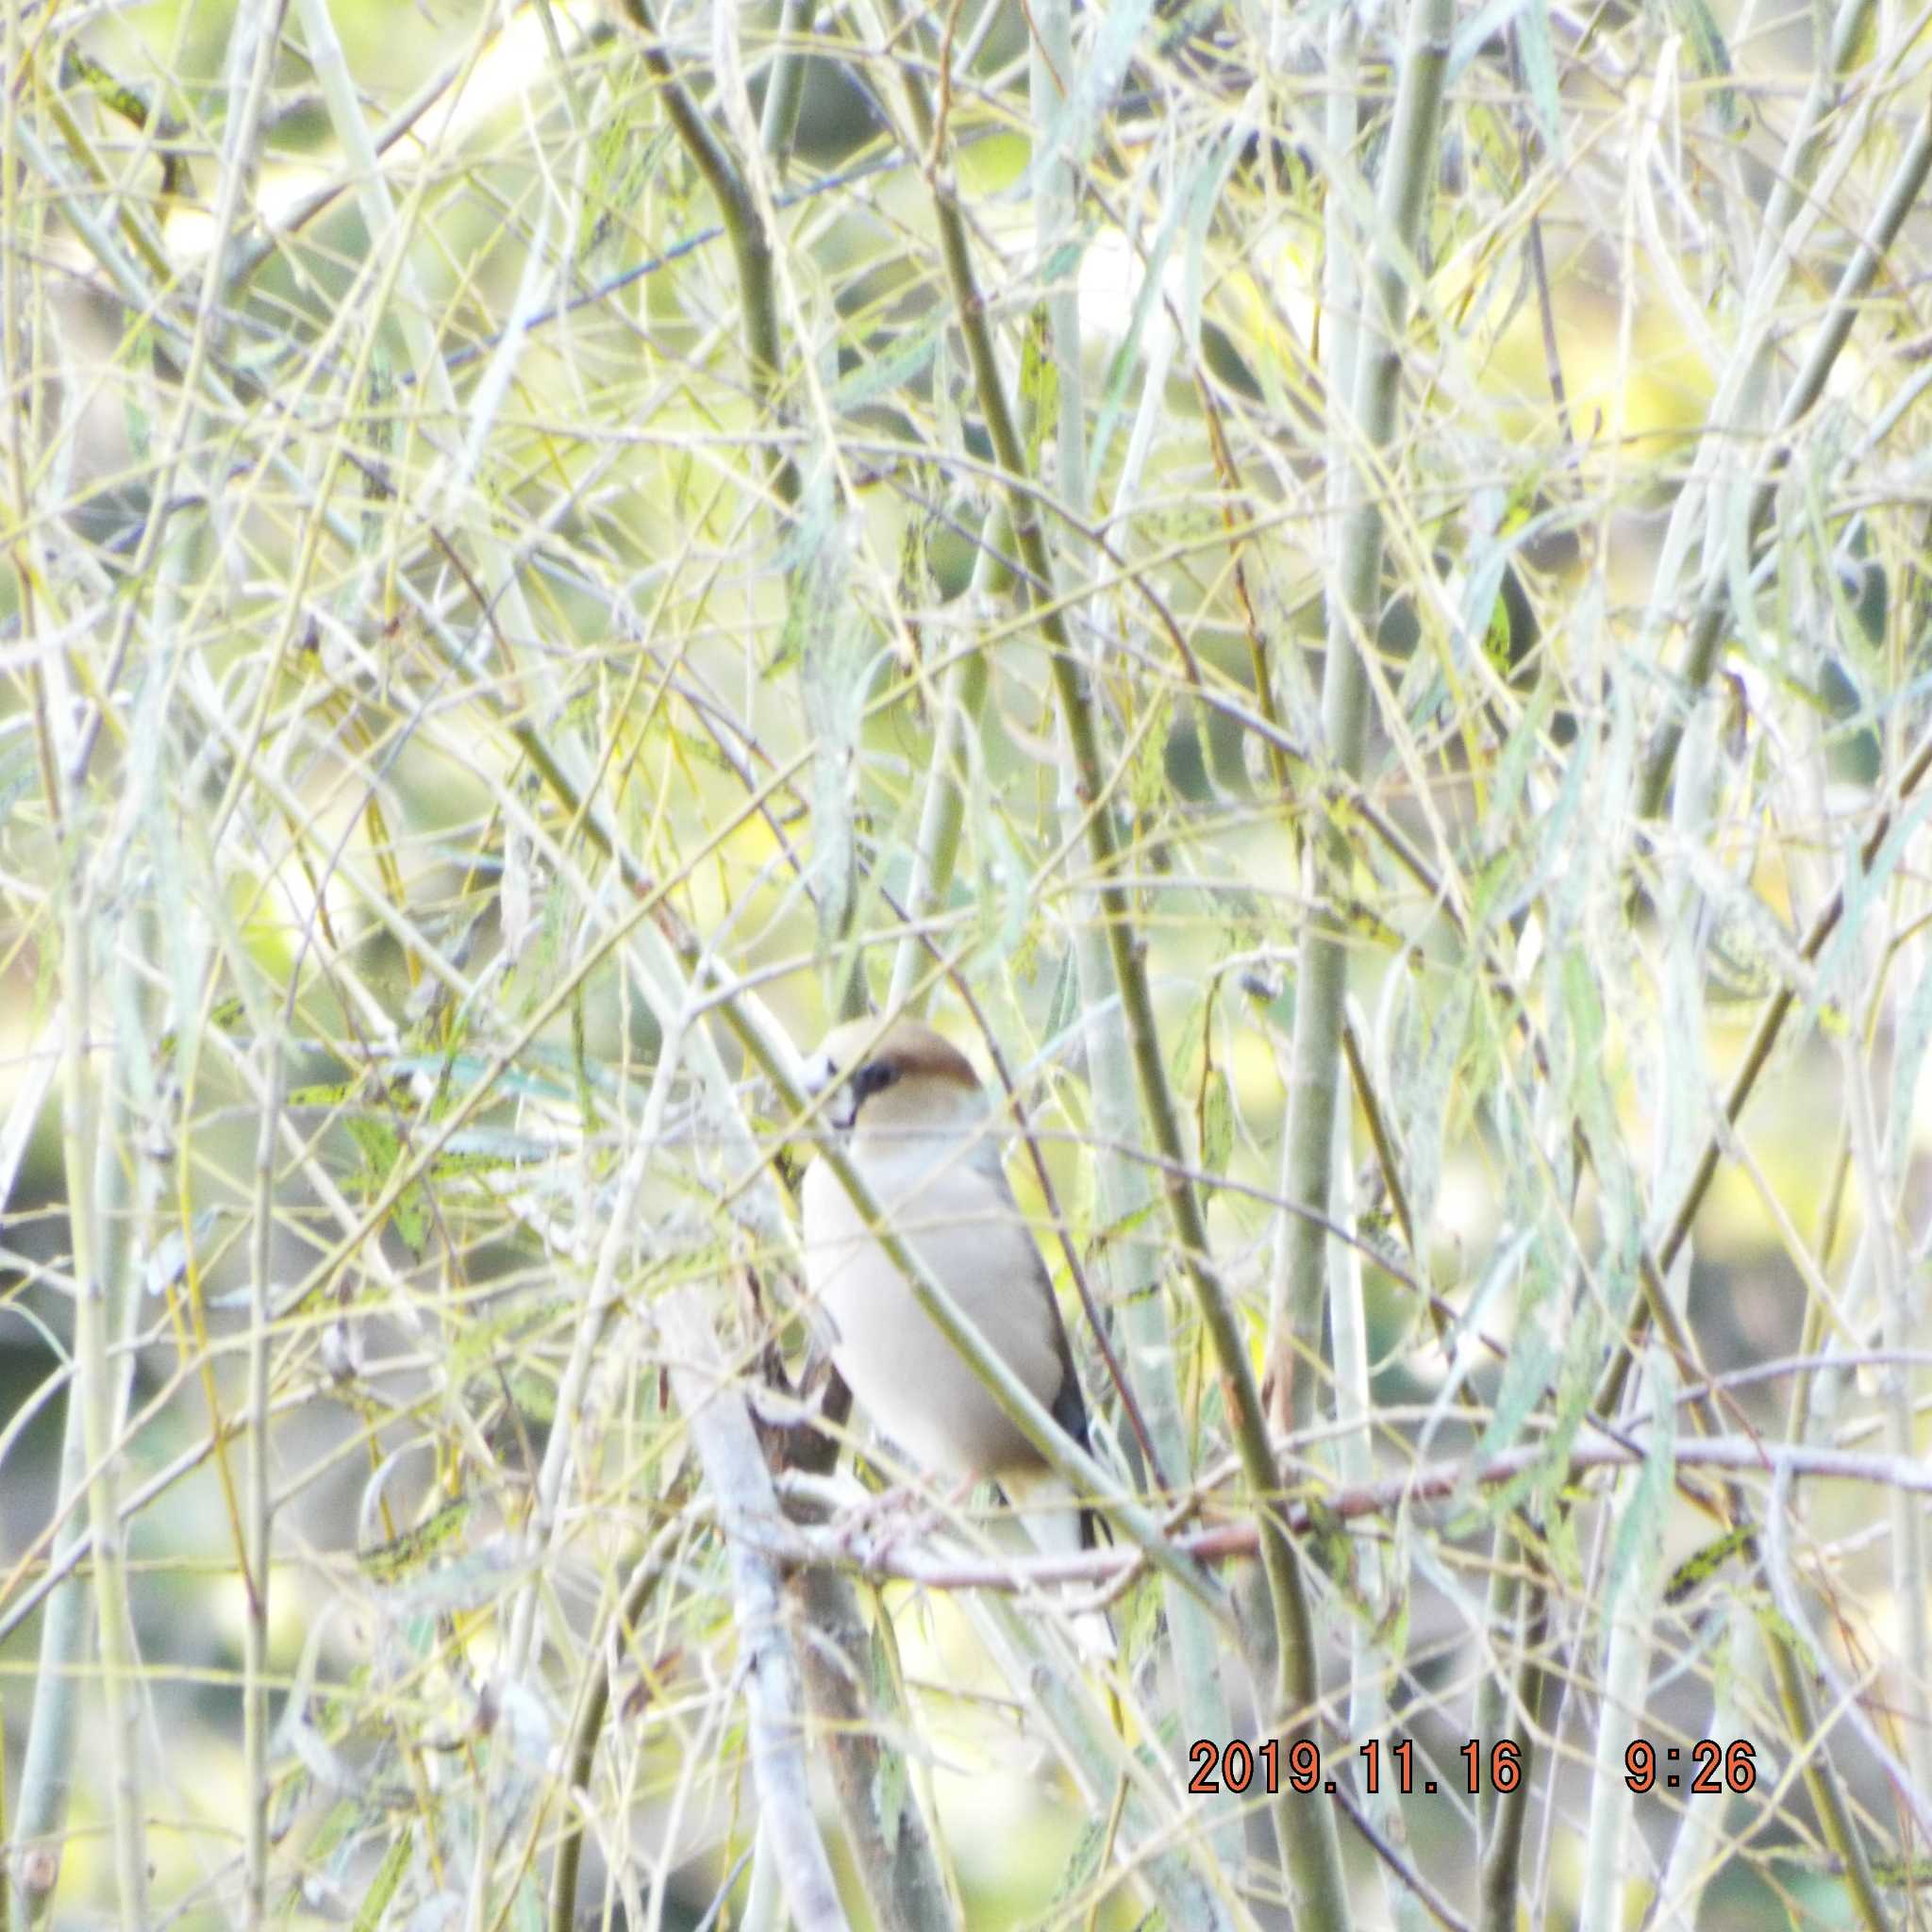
column 900, row 1367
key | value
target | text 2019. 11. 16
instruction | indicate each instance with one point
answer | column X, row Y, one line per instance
column 1237, row 1767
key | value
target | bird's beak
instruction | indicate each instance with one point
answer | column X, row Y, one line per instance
column 839, row 1111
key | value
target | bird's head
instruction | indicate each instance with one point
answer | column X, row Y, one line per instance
column 901, row 1083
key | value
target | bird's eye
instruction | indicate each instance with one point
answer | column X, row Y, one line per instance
column 873, row 1078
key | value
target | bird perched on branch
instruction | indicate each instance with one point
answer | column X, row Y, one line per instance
column 917, row 1128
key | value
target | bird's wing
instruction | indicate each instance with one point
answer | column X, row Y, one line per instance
column 1069, row 1405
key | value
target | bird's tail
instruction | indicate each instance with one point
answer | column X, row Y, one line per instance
column 1058, row 1527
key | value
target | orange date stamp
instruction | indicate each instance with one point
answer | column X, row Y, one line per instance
column 1237, row 1767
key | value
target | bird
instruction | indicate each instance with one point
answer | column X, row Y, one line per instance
column 916, row 1124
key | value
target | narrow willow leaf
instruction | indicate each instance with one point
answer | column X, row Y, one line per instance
column 1908, row 1063
column 1527, row 1372
column 1479, row 30
column 1713, row 58
column 410, row 1550
column 1704, row 1562
column 1540, row 75
column 1428, row 1029
column 1636, row 1543
column 1214, row 1121
column 885, row 374
column 835, row 668
column 1519, row 757
column 1040, row 385
column 374, row 1910
column 1108, row 53
column 1862, row 890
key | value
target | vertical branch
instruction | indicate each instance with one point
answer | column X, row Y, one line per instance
column 1630, row 1601
column 1789, row 1675
column 785, row 83
column 92, row 1389
column 1892, row 1277
column 936, row 854
column 1706, row 626
column 47, row 1776
column 1360, row 441
column 891, row 1848
column 1192, row 1887
column 1311, row 1848
column 39, row 1814
column 1124, row 1187
column 736, row 1475
column 942, row 810
column 1050, row 71
column 259, row 1527
column 1697, row 1854
column 1788, row 212
column 897, row 1860
column 1371, row 1664
column 592, row 1705
column 1517, row 1611
column 751, row 243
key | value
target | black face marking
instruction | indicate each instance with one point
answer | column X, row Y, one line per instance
column 875, row 1076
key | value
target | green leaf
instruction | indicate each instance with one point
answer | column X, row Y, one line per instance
column 381, row 1147
column 410, row 1551
column 1914, row 1033
column 1040, row 385
column 1637, row 1544
column 880, row 375
column 1528, row 1372
column 1098, row 80
column 1540, row 75
column 371, row 1913
column 1704, row 1563
column 1214, row 1119
column 1713, row 58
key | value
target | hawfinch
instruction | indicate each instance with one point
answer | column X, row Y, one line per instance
column 917, row 1128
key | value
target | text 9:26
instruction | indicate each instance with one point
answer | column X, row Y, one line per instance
column 1739, row 1768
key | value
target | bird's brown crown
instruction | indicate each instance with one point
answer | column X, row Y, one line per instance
column 907, row 1075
